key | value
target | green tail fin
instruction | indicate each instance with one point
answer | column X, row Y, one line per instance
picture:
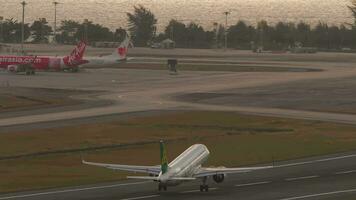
column 164, row 161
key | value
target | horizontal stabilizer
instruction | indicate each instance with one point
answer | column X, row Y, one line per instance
column 144, row 178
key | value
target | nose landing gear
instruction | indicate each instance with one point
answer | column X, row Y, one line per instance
column 162, row 187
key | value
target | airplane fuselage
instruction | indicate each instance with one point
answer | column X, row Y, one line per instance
column 185, row 165
column 102, row 61
column 13, row 63
column 41, row 63
column 38, row 63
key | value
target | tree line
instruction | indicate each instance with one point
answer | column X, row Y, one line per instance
column 280, row 36
column 69, row 32
column 142, row 26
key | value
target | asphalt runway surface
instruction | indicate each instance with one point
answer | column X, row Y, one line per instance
column 145, row 90
column 327, row 177
column 329, row 95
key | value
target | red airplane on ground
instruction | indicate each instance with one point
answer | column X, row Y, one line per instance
column 30, row 64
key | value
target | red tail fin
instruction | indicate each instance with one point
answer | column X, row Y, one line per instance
column 122, row 50
column 76, row 56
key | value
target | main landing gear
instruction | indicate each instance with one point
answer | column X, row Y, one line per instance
column 74, row 69
column 162, row 187
column 30, row 72
column 204, row 186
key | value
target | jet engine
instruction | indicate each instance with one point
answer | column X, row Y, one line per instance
column 219, row 178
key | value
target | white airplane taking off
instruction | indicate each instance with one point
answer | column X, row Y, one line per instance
column 186, row 167
column 117, row 57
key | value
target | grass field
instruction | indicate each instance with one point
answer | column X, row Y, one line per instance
column 233, row 139
column 13, row 98
column 10, row 101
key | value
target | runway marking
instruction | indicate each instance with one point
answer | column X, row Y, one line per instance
column 143, row 197
column 251, row 184
column 320, row 194
column 316, row 161
column 72, row 190
column 346, row 172
column 193, row 191
column 301, row 178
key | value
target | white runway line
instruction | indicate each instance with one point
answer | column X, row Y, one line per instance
column 251, row 184
column 316, row 161
column 346, row 172
column 320, row 194
column 143, row 197
column 301, row 178
column 72, row 190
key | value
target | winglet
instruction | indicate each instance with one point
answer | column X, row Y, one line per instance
column 164, row 161
column 82, row 158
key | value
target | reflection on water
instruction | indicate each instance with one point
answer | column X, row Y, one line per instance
column 206, row 12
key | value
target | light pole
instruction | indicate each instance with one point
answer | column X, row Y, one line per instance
column 2, row 29
column 172, row 33
column 55, row 21
column 261, row 29
column 216, row 34
column 226, row 15
column 86, row 21
column 23, row 25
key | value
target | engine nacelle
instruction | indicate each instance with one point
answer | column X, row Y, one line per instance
column 219, row 178
column 13, row 68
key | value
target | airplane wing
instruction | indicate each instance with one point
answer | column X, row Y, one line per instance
column 213, row 171
column 158, row 179
column 203, row 172
column 155, row 170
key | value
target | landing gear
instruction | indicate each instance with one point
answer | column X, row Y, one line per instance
column 204, row 186
column 30, row 72
column 74, row 69
column 162, row 187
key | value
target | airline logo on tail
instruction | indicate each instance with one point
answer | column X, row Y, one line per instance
column 76, row 57
column 123, row 49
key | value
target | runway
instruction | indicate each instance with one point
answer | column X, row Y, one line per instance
column 327, row 177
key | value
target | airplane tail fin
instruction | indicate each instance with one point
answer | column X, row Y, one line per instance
column 164, row 161
column 76, row 57
column 122, row 50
